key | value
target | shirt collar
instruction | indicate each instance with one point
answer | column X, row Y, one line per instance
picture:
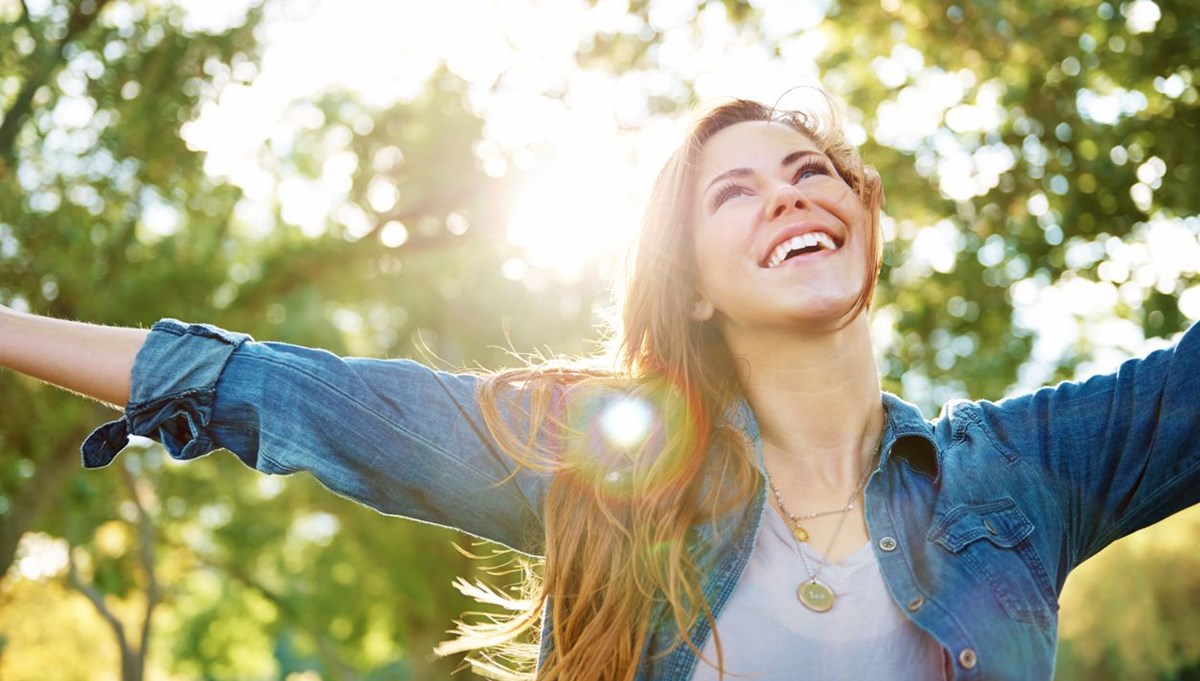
column 909, row 437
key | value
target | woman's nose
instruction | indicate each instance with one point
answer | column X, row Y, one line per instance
column 787, row 197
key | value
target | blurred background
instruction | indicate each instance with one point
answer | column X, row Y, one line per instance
column 455, row 179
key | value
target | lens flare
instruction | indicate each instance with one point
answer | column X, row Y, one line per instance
column 625, row 440
column 626, row 422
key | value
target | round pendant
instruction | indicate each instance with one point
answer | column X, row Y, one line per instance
column 815, row 596
column 799, row 533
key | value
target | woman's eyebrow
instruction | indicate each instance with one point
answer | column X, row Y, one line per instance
column 797, row 155
column 743, row 172
column 734, row 172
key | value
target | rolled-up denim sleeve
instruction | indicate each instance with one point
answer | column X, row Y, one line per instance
column 1121, row 451
column 392, row 434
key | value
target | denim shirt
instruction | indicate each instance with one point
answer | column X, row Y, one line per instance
column 976, row 518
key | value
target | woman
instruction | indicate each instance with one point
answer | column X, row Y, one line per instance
column 779, row 517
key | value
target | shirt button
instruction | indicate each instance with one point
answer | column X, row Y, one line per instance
column 887, row 544
column 916, row 603
column 967, row 658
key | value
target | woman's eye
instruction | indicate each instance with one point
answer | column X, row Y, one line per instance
column 809, row 169
column 727, row 192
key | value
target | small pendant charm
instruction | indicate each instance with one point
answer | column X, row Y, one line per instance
column 799, row 533
column 816, row 596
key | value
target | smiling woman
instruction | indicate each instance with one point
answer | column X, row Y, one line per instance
column 776, row 197
column 737, row 496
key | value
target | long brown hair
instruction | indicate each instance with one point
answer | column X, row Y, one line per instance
column 618, row 519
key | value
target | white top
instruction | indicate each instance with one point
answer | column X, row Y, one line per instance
column 768, row 635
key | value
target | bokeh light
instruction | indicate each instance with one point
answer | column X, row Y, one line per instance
column 625, row 442
column 626, row 421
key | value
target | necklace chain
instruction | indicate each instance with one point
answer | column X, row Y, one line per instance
column 813, row 574
column 845, row 513
column 805, row 516
column 795, row 519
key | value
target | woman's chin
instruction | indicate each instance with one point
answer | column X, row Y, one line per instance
column 820, row 313
column 809, row 320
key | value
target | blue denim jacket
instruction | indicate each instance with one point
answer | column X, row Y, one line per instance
column 976, row 518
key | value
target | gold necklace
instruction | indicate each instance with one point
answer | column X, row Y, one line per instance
column 798, row 530
column 813, row 593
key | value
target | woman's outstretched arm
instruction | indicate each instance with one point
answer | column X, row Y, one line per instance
column 393, row 434
column 88, row 359
column 1120, row 450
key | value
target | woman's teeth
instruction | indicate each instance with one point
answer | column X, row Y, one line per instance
column 800, row 244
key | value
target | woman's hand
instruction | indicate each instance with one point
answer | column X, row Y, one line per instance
column 88, row 359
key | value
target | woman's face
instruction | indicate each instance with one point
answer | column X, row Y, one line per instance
column 781, row 240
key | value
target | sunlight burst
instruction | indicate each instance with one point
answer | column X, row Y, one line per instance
column 567, row 216
column 626, row 422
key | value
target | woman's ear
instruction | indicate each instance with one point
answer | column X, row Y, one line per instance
column 702, row 309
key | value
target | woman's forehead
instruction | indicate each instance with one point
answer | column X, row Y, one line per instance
column 751, row 144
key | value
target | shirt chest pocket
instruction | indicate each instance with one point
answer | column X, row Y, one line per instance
column 993, row 542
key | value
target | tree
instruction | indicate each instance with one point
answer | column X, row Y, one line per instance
column 101, row 193
column 1028, row 152
column 1042, row 147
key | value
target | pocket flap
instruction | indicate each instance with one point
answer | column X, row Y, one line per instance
column 1000, row 522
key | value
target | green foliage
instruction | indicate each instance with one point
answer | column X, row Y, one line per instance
column 1045, row 64
column 246, row 595
column 1040, row 67
column 255, row 583
column 1044, row 60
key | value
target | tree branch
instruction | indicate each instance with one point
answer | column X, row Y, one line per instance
column 97, row 599
column 147, row 556
column 338, row 667
column 44, row 66
column 34, row 496
column 290, row 271
column 133, row 660
column 56, row 455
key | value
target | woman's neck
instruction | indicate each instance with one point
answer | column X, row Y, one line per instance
column 816, row 399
